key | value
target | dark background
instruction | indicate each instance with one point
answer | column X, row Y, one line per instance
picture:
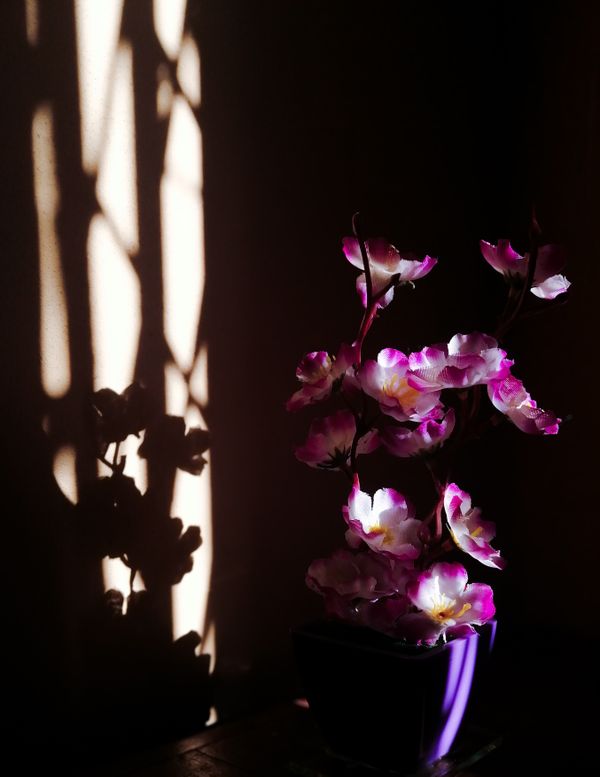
column 441, row 123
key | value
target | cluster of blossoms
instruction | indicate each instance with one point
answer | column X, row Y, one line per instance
column 391, row 576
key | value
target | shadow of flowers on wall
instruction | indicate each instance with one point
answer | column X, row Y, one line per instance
column 139, row 683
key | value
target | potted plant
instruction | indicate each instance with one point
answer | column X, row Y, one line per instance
column 389, row 672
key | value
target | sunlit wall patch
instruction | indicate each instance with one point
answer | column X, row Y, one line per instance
column 192, row 503
column 54, row 326
column 64, row 471
column 169, row 17
column 115, row 304
column 97, row 27
column 182, row 235
column 116, row 185
column 188, row 70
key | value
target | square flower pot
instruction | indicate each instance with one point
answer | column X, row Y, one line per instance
column 384, row 704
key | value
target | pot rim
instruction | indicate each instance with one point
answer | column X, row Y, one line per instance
column 396, row 647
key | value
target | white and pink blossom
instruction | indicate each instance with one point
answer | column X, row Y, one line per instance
column 385, row 522
column 548, row 283
column 467, row 360
column 318, row 373
column 509, row 396
column 448, row 604
column 329, row 441
column 427, row 437
column 469, row 531
column 385, row 264
column 390, row 382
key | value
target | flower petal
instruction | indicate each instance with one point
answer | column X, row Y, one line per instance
column 551, row 288
column 503, row 258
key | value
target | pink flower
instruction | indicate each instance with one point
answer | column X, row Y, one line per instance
column 547, row 283
column 364, row 588
column 385, row 522
column 503, row 258
column 318, row 372
column 447, row 604
column 329, row 441
column 469, row 531
column 389, row 381
column 385, row 262
column 467, row 360
column 429, row 435
column 509, row 396
column 362, row 575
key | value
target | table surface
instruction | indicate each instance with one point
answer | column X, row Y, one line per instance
column 278, row 742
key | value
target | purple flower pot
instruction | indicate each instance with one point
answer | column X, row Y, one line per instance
column 384, row 704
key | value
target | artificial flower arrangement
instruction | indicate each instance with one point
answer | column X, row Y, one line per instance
column 391, row 576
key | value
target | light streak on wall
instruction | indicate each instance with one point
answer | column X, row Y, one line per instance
column 64, row 471
column 176, row 391
column 32, row 22
column 54, row 328
column 199, row 377
column 97, row 26
column 188, row 70
column 115, row 308
column 169, row 16
column 182, row 234
column 116, row 186
column 192, row 503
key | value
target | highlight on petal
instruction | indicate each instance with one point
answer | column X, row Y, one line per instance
column 509, row 396
column 551, row 288
column 385, row 523
column 414, row 269
column 426, row 438
column 470, row 533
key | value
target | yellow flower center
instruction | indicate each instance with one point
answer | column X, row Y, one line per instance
column 388, row 534
column 445, row 610
column 397, row 388
column 476, row 532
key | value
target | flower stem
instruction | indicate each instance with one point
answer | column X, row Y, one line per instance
column 365, row 258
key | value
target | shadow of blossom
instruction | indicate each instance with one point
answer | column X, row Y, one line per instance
column 139, row 684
